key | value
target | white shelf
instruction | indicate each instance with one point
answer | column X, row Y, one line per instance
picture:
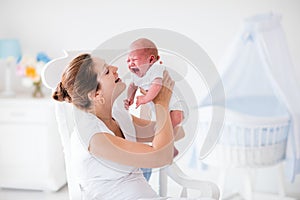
column 31, row 154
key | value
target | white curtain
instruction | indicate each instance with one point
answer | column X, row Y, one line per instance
column 258, row 67
column 273, row 50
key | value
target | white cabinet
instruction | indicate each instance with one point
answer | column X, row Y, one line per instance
column 31, row 154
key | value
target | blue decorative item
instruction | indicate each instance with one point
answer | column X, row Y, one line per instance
column 41, row 56
column 10, row 48
column 10, row 51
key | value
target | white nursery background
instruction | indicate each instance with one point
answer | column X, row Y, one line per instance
column 53, row 26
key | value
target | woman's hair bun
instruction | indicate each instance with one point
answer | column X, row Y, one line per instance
column 61, row 94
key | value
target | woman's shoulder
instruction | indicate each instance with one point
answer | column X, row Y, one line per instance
column 83, row 118
column 88, row 125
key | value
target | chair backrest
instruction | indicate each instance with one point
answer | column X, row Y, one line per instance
column 51, row 75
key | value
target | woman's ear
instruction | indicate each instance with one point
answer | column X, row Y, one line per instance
column 99, row 97
column 92, row 95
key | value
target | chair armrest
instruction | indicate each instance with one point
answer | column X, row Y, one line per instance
column 207, row 188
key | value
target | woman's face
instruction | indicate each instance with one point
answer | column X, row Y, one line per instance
column 111, row 86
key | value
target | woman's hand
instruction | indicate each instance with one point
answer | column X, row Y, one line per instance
column 164, row 95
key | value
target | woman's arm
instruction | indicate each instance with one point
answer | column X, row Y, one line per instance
column 136, row 154
column 145, row 129
column 129, row 153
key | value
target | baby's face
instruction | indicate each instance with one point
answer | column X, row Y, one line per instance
column 138, row 62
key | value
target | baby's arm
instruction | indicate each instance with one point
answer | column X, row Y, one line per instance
column 151, row 94
column 130, row 95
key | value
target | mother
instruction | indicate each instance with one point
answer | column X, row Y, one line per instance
column 106, row 149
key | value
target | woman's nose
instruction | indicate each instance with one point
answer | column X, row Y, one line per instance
column 114, row 69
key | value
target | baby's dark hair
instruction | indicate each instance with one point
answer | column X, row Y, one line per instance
column 78, row 79
column 146, row 45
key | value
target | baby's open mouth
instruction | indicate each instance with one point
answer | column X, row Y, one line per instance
column 135, row 69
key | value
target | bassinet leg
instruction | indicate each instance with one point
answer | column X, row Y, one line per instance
column 281, row 187
column 249, row 175
column 221, row 181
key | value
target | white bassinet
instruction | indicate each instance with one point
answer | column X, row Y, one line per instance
column 250, row 137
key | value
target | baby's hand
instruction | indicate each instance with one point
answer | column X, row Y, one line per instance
column 127, row 103
column 140, row 100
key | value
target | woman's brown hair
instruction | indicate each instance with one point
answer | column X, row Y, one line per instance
column 78, row 79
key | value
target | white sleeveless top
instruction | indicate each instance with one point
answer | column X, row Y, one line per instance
column 100, row 178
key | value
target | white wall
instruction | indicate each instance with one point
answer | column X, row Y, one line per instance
column 53, row 25
column 69, row 24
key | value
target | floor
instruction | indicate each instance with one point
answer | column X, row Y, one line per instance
column 11, row 194
column 173, row 189
column 62, row 194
